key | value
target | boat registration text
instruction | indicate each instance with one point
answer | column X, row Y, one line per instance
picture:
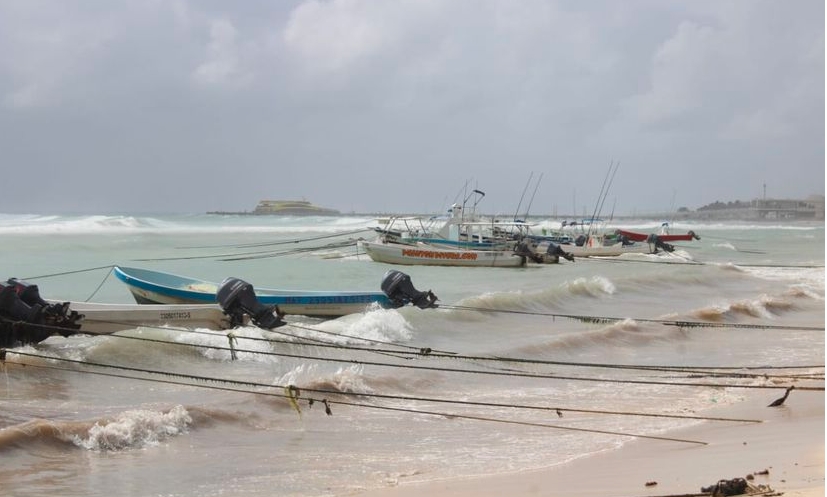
column 430, row 254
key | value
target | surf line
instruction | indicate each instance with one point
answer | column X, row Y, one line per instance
column 610, row 319
column 292, row 394
column 411, row 352
column 517, row 374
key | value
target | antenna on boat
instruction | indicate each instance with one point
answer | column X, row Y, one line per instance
column 476, row 202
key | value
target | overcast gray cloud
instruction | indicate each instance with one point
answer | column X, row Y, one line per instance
column 393, row 105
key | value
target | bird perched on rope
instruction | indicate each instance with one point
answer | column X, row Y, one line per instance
column 778, row 402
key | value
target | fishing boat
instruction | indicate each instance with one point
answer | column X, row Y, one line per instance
column 156, row 287
column 664, row 235
column 591, row 238
column 26, row 317
column 429, row 254
column 598, row 245
column 459, row 239
column 452, row 241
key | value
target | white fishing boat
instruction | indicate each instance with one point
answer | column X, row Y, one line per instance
column 428, row 254
column 591, row 238
column 455, row 240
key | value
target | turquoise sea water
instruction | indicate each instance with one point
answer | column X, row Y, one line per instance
column 101, row 424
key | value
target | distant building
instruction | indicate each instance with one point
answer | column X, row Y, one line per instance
column 292, row 208
column 769, row 208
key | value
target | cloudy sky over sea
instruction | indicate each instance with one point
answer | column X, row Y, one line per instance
column 396, row 105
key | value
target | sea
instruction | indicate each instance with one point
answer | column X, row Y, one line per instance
column 517, row 369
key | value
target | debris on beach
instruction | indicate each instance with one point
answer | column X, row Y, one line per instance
column 737, row 486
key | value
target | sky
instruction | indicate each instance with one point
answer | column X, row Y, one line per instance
column 405, row 106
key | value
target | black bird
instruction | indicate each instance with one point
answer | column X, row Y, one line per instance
column 778, row 402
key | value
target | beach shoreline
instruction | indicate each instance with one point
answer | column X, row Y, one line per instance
column 784, row 452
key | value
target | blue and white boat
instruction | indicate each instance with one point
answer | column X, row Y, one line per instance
column 155, row 287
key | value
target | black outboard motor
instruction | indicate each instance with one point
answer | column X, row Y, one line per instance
column 555, row 249
column 659, row 244
column 580, row 240
column 26, row 318
column 13, row 307
column 399, row 289
column 237, row 298
column 524, row 250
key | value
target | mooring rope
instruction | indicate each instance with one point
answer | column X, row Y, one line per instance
column 292, row 392
column 413, row 351
column 281, row 242
column 691, row 262
column 510, row 373
column 612, row 319
column 110, row 266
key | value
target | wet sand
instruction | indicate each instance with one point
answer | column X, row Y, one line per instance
column 785, row 452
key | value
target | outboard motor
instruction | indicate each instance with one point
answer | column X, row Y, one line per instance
column 26, row 318
column 580, row 240
column 13, row 307
column 524, row 250
column 399, row 289
column 237, row 298
column 555, row 249
column 659, row 244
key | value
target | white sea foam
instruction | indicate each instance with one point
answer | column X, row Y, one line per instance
column 594, row 286
column 136, row 429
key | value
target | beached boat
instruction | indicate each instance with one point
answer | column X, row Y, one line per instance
column 155, row 287
column 25, row 317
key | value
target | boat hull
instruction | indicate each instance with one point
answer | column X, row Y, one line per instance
column 421, row 254
column 668, row 238
column 104, row 319
column 153, row 287
column 613, row 250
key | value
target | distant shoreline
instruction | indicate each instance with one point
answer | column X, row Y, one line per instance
column 722, row 215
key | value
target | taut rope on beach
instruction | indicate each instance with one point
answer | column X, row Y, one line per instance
column 294, row 395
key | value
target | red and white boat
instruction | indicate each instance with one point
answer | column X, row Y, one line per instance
column 664, row 235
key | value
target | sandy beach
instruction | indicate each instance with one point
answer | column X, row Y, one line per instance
column 785, row 452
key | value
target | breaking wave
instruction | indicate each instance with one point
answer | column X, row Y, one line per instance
column 128, row 430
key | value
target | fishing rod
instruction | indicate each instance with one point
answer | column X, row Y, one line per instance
column 597, row 203
column 606, row 193
column 522, row 197
column 536, row 185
